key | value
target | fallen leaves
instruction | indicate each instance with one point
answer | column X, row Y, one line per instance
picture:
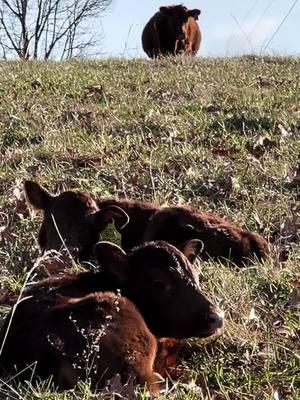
column 261, row 146
column 294, row 176
column 95, row 91
column 271, row 83
column 18, row 201
column 4, row 225
column 173, row 167
column 290, row 227
column 84, row 118
column 167, row 358
column 8, row 297
column 115, row 387
column 54, row 263
column 283, row 131
column 36, row 83
column 294, row 302
column 252, row 315
column 16, row 207
column 221, row 150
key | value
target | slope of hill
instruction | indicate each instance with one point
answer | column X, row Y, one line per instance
column 221, row 134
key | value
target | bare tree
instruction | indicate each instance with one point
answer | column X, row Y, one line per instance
column 48, row 29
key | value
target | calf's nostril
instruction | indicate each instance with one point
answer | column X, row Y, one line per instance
column 216, row 319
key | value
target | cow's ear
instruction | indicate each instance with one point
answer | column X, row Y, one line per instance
column 37, row 196
column 192, row 249
column 101, row 218
column 113, row 260
column 194, row 13
column 165, row 10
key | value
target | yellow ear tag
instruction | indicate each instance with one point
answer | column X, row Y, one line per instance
column 111, row 234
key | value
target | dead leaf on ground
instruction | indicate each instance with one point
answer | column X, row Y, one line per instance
column 122, row 391
column 8, row 297
column 4, row 225
column 84, row 118
column 284, row 254
column 82, row 161
column 172, row 355
column 36, row 83
column 96, row 91
column 270, row 83
column 252, row 315
column 275, row 395
column 294, row 176
column 222, row 151
column 294, row 301
column 258, row 220
column 167, row 359
column 290, row 227
column 231, row 184
column 261, row 146
column 283, row 131
column 173, row 168
column 213, row 108
column 55, row 263
column 166, row 356
column 18, row 201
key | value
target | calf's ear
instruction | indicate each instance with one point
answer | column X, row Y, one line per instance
column 191, row 249
column 113, row 260
column 194, row 13
column 165, row 10
column 37, row 196
column 101, row 218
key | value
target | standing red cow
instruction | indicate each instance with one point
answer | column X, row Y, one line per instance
column 172, row 30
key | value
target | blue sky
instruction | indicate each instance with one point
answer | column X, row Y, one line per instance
column 229, row 27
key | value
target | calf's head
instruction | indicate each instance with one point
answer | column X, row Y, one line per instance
column 177, row 17
column 163, row 284
column 71, row 219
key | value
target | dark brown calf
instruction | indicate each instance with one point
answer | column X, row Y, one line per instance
column 71, row 219
column 222, row 239
column 96, row 337
column 171, row 31
column 156, row 277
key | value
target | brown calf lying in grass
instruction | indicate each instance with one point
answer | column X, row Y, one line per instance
column 79, row 221
column 221, row 239
column 159, row 279
column 93, row 337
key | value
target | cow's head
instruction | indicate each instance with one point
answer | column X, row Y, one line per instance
column 164, row 285
column 71, row 219
column 177, row 16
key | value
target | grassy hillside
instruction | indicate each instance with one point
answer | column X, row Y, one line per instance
column 222, row 135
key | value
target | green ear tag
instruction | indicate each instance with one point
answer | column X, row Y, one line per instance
column 111, row 234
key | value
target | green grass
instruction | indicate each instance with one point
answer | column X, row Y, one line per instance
column 221, row 134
